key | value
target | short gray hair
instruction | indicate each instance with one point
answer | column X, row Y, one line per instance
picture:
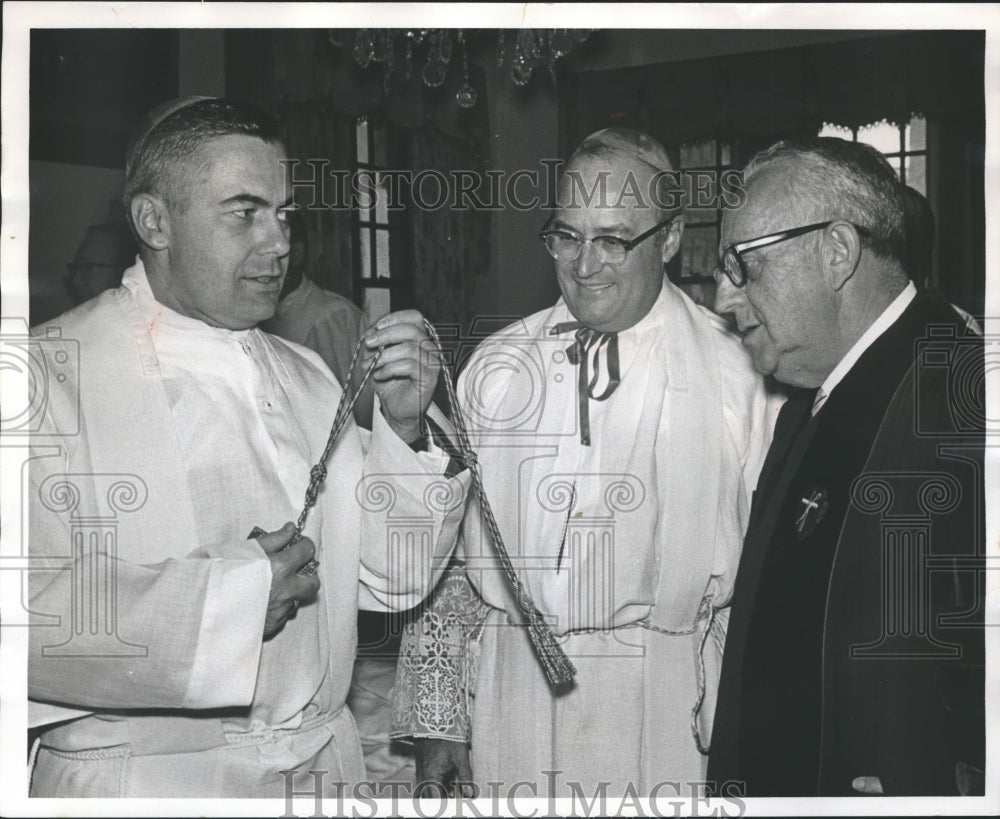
column 851, row 181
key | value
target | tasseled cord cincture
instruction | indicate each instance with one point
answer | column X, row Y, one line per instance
column 558, row 669
column 696, row 711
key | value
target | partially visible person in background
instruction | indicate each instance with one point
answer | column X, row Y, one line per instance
column 919, row 223
column 99, row 262
column 331, row 325
column 918, row 260
column 319, row 319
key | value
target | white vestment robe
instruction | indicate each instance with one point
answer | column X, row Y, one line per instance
column 629, row 546
column 164, row 442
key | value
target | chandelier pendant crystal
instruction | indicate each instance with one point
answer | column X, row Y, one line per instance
column 396, row 50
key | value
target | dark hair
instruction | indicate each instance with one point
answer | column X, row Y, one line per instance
column 920, row 226
column 853, row 181
column 164, row 155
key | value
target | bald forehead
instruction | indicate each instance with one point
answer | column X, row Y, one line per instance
column 185, row 175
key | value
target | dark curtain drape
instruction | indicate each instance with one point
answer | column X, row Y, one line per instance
column 935, row 73
column 451, row 247
column 316, row 131
column 956, row 193
column 310, row 81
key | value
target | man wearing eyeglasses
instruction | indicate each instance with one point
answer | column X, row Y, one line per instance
column 618, row 433
column 854, row 656
column 99, row 262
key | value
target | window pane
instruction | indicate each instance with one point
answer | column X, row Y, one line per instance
column 382, row 270
column 699, row 252
column 831, row 130
column 377, row 303
column 702, row 187
column 883, row 136
column 725, row 154
column 381, row 154
column 362, row 135
column 700, row 153
column 364, row 242
column 916, row 173
column 894, row 161
column 916, row 134
column 382, row 202
column 364, row 195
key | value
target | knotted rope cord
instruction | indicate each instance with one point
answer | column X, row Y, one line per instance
column 556, row 665
column 317, row 474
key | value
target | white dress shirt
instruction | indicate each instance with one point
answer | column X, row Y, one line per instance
column 879, row 326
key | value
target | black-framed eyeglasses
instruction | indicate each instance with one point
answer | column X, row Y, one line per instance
column 567, row 247
column 734, row 267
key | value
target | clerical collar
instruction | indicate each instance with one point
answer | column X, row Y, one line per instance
column 564, row 320
column 161, row 317
column 598, row 359
column 879, row 326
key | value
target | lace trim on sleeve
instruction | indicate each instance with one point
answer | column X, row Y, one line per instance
column 436, row 670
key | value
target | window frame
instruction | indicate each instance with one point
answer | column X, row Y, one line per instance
column 720, row 144
column 396, row 226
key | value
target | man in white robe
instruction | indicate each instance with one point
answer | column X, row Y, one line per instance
column 171, row 655
column 621, row 488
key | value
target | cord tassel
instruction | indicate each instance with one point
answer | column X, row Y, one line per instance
column 556, row 665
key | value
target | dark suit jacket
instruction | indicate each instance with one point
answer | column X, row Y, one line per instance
column 855, row 643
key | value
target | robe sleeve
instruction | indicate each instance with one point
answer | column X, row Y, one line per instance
column 437, row 663
column 110, row 633
column 412, row 515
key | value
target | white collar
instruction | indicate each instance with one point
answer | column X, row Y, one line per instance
column 877, row 327
column 160, row 318
column 629, row 338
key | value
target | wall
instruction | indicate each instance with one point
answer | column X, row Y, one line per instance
column 66, row 198
column 524, row 128
column 609, row 49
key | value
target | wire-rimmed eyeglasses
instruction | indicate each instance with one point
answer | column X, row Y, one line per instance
column 567, row 247
column 734, row 267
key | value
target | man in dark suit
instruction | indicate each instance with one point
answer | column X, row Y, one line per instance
column 854, row 658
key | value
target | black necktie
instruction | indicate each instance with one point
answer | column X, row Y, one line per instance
column 587, row 353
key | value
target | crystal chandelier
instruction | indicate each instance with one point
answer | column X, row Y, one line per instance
column 398, row 50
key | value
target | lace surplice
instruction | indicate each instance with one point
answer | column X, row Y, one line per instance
column 437, row 662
